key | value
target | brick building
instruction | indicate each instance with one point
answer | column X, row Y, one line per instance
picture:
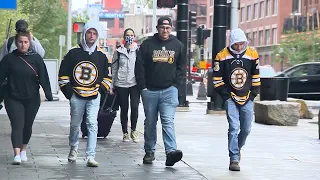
column 114, row 17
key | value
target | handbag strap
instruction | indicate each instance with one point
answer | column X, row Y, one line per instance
column 29, row 66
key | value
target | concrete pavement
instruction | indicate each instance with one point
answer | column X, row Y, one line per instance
column 271, row 152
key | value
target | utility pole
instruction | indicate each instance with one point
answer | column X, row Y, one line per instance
column 234, row 21
column 182, row 35
column 154, row 17
column 69, row 25
column 218, row 43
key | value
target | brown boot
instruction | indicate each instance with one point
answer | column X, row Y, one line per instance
column 234, row 166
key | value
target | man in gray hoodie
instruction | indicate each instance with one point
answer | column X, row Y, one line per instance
column 236, row 78
column 83, row 72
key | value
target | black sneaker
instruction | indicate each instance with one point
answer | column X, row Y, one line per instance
column 173, row 157
column 148, row 158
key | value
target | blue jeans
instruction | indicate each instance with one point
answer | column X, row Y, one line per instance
column 239, row 119
column 164, row 102
column 77, row 108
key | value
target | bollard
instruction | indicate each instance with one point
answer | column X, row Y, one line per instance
column 202, row 93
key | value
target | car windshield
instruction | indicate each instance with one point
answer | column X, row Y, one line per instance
column 267, row 72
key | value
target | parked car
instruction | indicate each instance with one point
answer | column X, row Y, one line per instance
column 304, row 80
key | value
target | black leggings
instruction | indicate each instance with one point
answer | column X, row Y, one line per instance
column 123, row 95
column 22, row 113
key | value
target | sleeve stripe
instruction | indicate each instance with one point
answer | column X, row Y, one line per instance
column 256, row 83
column 219, row 84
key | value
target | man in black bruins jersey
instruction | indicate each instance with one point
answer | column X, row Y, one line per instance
column 82, row 71
column 236, row 78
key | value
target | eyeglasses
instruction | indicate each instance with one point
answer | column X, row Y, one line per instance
column 165, row 28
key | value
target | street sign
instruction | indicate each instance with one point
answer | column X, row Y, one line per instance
column 202, row 64
column 8, row 4
column 62, row 40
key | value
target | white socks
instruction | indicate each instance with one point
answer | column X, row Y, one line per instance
column 23, row 155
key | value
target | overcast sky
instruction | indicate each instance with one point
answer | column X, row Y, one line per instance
column 76, row 4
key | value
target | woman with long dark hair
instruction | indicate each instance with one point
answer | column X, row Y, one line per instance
column 124, row 81
column 25, row 71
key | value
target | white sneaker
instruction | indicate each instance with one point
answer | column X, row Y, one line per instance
column 134, row 136
column 91, row 162
column 23, row 156
column 73, row 154
column 16, row 160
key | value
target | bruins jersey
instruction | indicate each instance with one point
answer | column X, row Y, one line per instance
column 237, row 76
column 83, row 74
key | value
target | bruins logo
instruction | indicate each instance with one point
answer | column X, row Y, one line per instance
column 85, row 73
column 238, row 78
column 170, row 60
column 216, row 66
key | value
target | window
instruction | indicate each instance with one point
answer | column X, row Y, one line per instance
column 211, row 21
column 260, row 38
column 203, row 10
column 296, row 6
column 298, row 71
column 243, row 14
column 266, row 59
column 274, row 36
column 254, row 39
column 314, row 70
column 275, row 7
column 261, row 9
column 248, row 36
column 211, row 3
column 110, row 23
column 255, row 11
column 121, row 23
column 194, row 7
column 248, row 12
column 267, row 37
column 268, row 10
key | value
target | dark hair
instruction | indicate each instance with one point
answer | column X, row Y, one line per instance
column 126, row 30
column 21, row 26
column 26, row 34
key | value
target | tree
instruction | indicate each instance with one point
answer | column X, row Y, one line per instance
column 298, row 47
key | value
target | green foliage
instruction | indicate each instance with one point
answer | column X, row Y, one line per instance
column 298, row 47
column 47, row 20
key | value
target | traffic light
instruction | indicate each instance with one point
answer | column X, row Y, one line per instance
column 78, row 27
column 202, row 34
column 206, row 33
column 192, row 19
column 166, row 3
column 199, row 36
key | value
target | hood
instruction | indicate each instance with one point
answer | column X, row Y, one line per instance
column 237, row 35
column 83, row 41
column 156, row 36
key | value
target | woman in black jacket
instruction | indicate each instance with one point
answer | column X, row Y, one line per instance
column 25, row 71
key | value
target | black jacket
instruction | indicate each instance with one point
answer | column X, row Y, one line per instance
column 82, row 74
column 23, row 81
column 160, row 64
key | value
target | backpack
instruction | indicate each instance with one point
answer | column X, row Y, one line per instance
column 9, row 43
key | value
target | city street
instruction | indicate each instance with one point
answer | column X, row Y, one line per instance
column 271, row 152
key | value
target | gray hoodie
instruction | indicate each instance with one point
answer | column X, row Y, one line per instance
column 123, row 67
column 236, row 36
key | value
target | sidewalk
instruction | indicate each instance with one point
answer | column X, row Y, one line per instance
column 48, row 150
column 271, row 153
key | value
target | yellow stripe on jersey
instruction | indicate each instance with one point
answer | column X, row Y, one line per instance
column 224, row 54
